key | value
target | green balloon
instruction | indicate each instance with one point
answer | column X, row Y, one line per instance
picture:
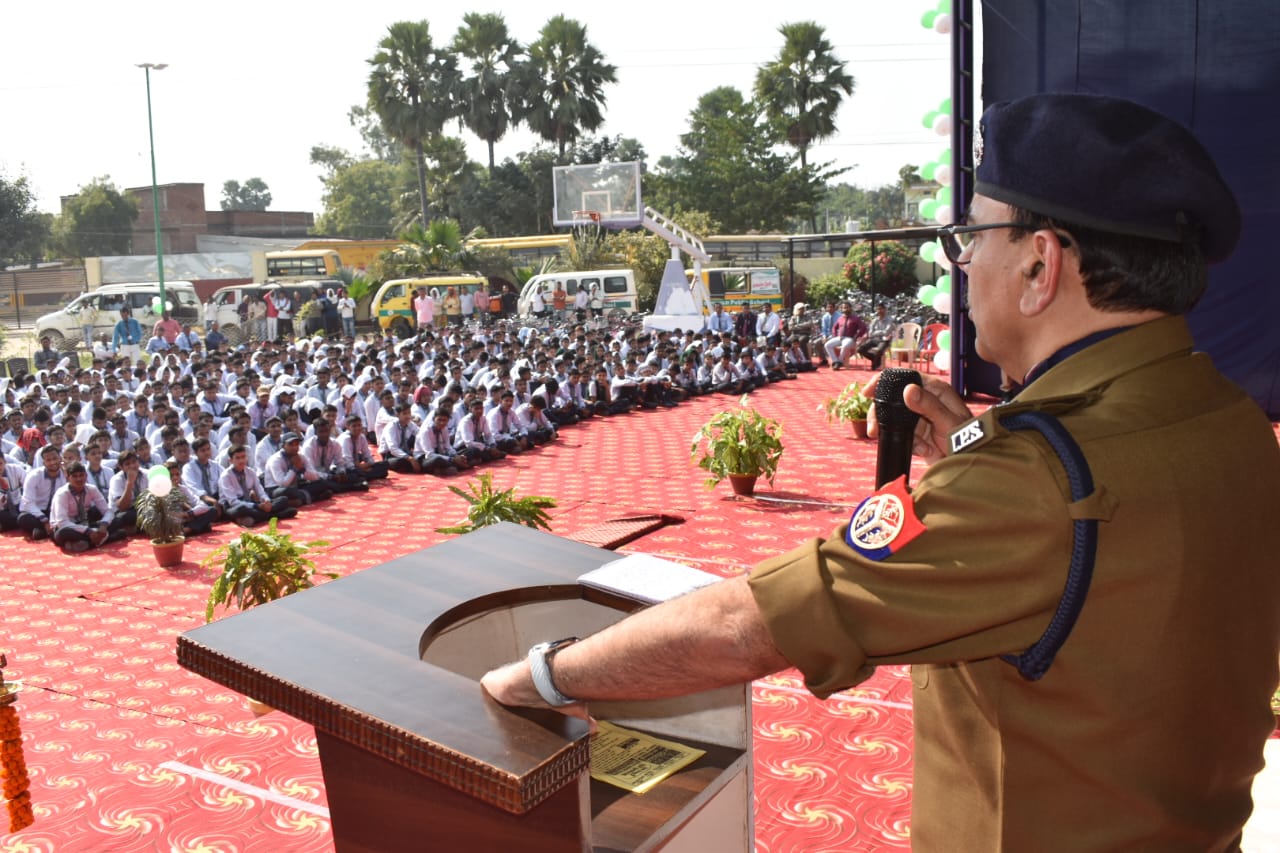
column 157, row 471
column 943, row 284
column 944, row 7
column 944, row 340
column 927, row 170
column 926, row 20
column 928, row 251
column 928, row 119
column 944, row 195
column 926, row 294
column 928, row 208
column 945, row 106
column 945, row 156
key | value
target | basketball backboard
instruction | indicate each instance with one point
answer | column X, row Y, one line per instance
column 607, row 193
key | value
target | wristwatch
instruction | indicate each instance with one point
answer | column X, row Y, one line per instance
column 540, row 667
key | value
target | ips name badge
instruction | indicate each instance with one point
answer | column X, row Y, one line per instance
column 884, row 523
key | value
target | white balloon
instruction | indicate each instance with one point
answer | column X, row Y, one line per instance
column 940, row 258
column 942, row 360
column 942, row 125
column 942, row 174
column 942, row 23
column 942, row 215
column 160, row 486
column 942, row 303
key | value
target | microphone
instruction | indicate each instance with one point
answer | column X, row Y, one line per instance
column 895, row 423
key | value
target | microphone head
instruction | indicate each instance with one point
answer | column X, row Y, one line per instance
column 891, row 411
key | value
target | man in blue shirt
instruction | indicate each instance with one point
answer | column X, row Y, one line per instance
column 127, row 339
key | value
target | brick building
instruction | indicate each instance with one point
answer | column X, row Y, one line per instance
column 184, row 217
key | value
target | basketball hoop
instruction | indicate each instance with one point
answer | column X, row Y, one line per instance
column 582, row 217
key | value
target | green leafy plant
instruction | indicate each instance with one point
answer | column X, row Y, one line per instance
column 851, row 405
column 260, row 566
column 489, row 506
column 895, row 267
column 161, row 517
column 738, row 441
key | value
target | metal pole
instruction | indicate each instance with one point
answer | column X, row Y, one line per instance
column 155, row 192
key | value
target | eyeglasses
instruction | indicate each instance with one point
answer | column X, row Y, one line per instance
column 955, row 239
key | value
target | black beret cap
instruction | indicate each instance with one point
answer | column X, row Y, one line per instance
column 1108, row 164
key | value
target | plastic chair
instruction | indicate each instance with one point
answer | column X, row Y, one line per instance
column 929, row 344
column 906, row 343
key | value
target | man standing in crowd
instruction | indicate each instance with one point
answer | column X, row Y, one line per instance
column 127, row 337
column 1078, row 569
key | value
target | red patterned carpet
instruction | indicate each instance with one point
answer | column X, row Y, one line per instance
column 127, row 751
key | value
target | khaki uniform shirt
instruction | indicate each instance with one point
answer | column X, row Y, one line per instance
column 1148, row 729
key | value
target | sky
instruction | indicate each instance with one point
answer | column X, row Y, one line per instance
column 251, row 87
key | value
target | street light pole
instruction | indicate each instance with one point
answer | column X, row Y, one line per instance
column 155, row 192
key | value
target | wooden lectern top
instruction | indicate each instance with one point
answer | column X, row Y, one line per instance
column 345, row 657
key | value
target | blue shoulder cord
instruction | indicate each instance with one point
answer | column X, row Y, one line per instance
column 1035, row 661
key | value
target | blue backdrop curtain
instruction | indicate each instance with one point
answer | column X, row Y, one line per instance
column 1213, row 65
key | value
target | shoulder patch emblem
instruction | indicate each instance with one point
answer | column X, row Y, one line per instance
column 968, row 434
column 884, row 522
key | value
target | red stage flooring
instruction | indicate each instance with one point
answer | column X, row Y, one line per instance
column 127, row 751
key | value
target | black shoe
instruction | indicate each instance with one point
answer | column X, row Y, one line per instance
column 38, row 533
column 835, row 365
column 79, row 546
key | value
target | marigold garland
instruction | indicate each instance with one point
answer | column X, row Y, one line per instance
column 13, row 767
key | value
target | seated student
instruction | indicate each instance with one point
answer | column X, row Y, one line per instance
column 749, row 371
column 434, row 448
column 474, row 438
column 199, row 515
column 290, row 475
column 726, row 378
column 572, row 395
column 126, row 484
column 79, row 515
column 686, row 378
column 243, row 499
column 534, row 422
column 270, row 444
column 38, row 490
column 202, row 474
column 356, row 453
column 771, row 365
column 396, row 443
column 324, row 453
column 557, row 410
column 10, row 493
column 600, row 395
column 505, row 426
column 795, row 360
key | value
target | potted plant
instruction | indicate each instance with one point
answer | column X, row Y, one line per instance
column 257, row 567
column 740, row 444
column 161, row 510
column 852, row 405
column 488, row 506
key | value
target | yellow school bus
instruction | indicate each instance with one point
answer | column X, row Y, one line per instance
column 302, row 265
column 732, row 286
column 393, row 303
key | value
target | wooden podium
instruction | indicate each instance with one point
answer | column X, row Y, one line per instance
column 385, row 664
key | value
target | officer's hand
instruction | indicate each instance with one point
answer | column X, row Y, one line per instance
column 513, row 685
column 940, row 408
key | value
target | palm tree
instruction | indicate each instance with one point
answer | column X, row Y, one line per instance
column 563, row 83
column 439, row 247
column 410, row 90
column 485, row 93
column 804, row 86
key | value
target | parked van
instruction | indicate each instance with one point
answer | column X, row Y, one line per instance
column 226, row 302
column 732, row 286
column 64, row 326
column 392, row 305
column 617, row 289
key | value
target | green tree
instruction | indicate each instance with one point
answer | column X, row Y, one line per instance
column 804, row 86
column 24, row 231
column 563, row 83
column 727, row 166
column 360, row 200
column 878, row 207
column 410, row 90
column 440, row 247
column 252, row 195
column 379, row 145
column 96, row 221
column 486, row 94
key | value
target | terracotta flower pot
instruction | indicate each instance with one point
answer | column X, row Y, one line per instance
column 743, row 484
column 168, row 553
column 859, row 428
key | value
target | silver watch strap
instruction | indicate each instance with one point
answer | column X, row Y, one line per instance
column 540, row 668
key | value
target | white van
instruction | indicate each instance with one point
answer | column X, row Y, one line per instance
column 64, row 326
column 617, row 290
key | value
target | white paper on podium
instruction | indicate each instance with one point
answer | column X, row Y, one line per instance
column 647, row 578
